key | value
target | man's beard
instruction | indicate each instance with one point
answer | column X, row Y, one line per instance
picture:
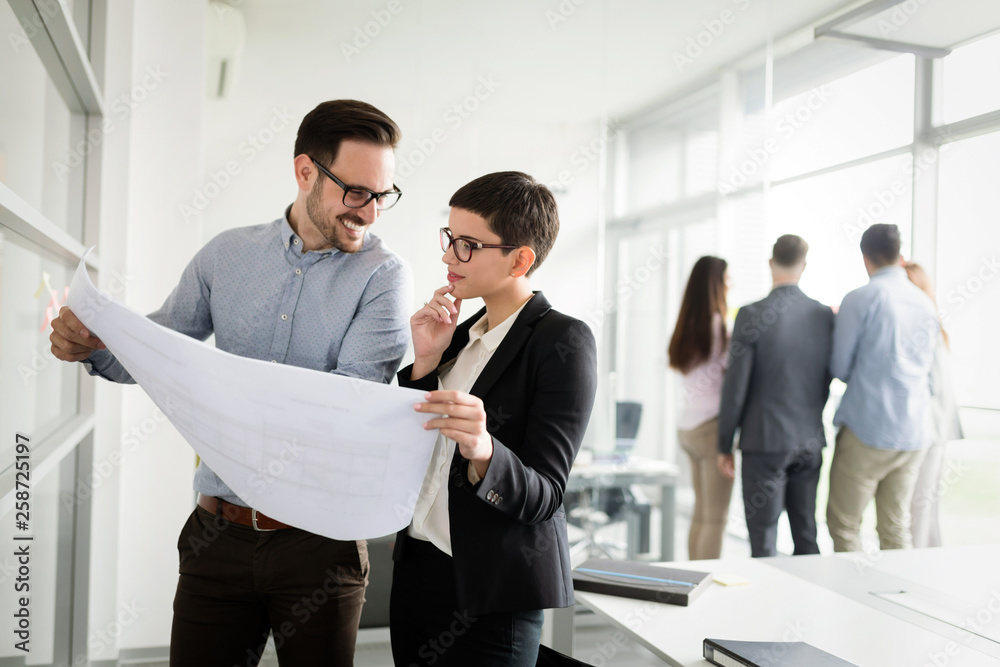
column 332, row 230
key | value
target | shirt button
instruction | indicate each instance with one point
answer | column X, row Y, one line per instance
column 295, row 241
column 274, row 361
column 286, row 244
column 298, row 272
column 284, row 317
column 489, row 496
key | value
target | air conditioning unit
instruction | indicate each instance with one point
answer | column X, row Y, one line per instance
column 225, row 37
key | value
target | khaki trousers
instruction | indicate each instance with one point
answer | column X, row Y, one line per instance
column 860, row 473
column 712, row 491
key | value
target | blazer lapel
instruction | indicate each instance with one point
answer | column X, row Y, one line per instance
column 512, row 343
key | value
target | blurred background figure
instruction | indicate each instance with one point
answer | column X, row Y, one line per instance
column 775, row 388
column 698, row 350
column 883, row 348
column 944, row 426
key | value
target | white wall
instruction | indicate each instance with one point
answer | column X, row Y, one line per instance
column 288, row 67
column 104, row 606
column 165, row 164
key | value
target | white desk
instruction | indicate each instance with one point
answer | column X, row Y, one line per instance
column 782, row 604
column 623, row 475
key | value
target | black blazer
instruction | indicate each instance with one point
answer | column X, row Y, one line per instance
column 778, row 378
column 508, row 532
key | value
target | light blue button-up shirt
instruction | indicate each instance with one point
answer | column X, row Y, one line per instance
column 883, row 347
column 263, row 298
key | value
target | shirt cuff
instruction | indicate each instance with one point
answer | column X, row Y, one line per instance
column 473, row 476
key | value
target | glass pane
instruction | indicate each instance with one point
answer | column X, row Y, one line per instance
column 968, row 80
column 743, row 242
column 655, row 169
column 701, row 154
column 43, row 552
column 39, row 392
column 968, row 280
column 641, row 333
column 831, row 212
column 80, row 11
column 864, row 113
column 41, row 148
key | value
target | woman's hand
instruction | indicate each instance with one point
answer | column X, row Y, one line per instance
column 431, row 329
column 463, row 419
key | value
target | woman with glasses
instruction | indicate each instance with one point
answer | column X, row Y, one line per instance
column 510, row 391
column 698, row 351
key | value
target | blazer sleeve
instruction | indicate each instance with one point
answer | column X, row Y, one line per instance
column 529, row 487
column 428, row 382
column 736, row 382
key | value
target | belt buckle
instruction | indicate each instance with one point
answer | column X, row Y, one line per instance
column 253, row 519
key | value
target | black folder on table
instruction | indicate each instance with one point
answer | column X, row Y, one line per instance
column 732, row 653
column 642, row 581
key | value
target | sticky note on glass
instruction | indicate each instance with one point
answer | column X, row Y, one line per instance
column 730, row 580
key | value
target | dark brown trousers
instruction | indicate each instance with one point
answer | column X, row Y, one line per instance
column 238, row 585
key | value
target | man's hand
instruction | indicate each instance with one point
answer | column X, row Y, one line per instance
column 464, row 421
column 71, row 341
column 727, row 467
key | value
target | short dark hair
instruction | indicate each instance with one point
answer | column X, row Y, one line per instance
column 330, row 123
column 880, row 243
column 789, row 250
column 516, row 207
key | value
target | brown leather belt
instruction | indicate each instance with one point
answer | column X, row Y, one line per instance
column 244, row 516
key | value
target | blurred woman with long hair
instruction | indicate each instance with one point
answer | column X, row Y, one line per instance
column 925, row 506
column 698, row 350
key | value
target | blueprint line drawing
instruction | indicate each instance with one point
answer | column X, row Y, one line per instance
column 340, row 457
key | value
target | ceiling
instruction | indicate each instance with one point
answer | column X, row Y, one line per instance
column 554, row 61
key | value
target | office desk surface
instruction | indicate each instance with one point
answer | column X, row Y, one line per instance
column 635, row 470
column 778, row 605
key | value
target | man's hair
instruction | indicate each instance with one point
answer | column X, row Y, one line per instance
column 323, row 128
column 880, row 244
column 789, row 251
column 516, row 207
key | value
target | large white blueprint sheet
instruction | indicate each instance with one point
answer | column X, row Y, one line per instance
column 336, row 456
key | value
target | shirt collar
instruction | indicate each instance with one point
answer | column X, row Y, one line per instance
column 893, row 270
column 288, row 236
column 491, row 339
column 293, row 242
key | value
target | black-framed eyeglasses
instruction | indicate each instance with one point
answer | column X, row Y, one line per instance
column 356, row 197
column 464, row 247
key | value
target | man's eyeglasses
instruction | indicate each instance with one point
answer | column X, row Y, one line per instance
column 464, row 247
column 355, row 197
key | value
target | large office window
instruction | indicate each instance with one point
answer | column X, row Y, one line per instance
column 968, row 80
column 49, row 94
column 863, row 113
column 832, row 210
column 39, row 392
column 39, row 135
column 968, row 280
column 843, row 145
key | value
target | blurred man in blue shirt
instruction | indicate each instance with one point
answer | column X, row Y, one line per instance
column 883, row 345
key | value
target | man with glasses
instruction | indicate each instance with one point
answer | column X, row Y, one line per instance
column 313, row 289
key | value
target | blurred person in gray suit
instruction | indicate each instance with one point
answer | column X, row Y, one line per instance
column 774, row 391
